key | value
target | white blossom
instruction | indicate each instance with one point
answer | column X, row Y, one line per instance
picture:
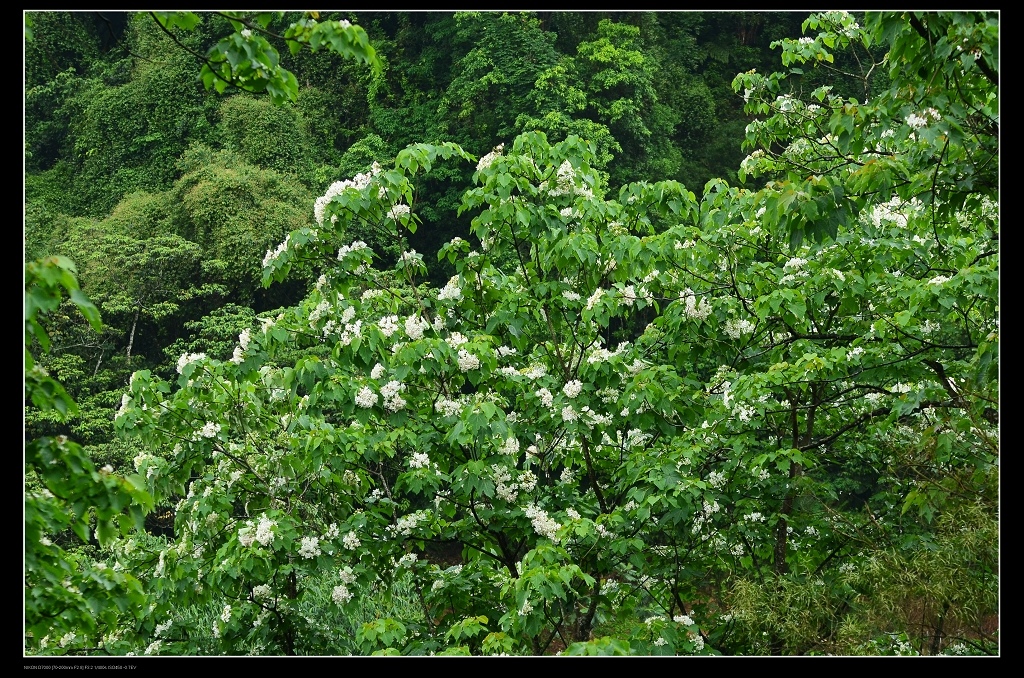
column 543, row 525
column 366, row 397
column 415, row 326
column 451, row 291
column 310, row 547
column 467, row 361
column 388, row 325
column 187, row 359
column 546, row 398
column 572, row 388
column 488, row 159
column 398, row 211
column 341, row 594
column 264, row 531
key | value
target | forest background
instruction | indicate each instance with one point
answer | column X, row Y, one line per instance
column 172, row 202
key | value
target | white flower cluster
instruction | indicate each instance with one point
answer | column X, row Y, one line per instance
column 310, row 547
column 356, row 246
column 448, row 408
column 486, row 161
column 543, row 524
column 694, row 309
column 415, row 326
column 785, row 102
column 270, row 257
column 565, row 183
column 358, row 182
column 504, row 488
column 457, row 339
column 406, row 524
column 683, row 619
column 341, row 595
column 261, row 591
column 572, row 388
column 140, row 459
column 510, row 447
column 392, row 401
column 709, row 509
column 319, row 310
column 210, row 430
column 419, row 460
column 632, row 294
column 546, row 398
column 451, row 290
column 351, row 541
column 187, row 358
column 366, row 397
column 698, row 640
column 636, row 438
column 126, row 400
column 467, row 361
column 411, row 257
column 594, row 298
column 535, row 372
column 388, row 325
column 398, row 211
column 243, row 344
column 736, row 328
column 938, row 280
column 591, row 418
column 570, row 213
column 265, row 531
column 919, row 121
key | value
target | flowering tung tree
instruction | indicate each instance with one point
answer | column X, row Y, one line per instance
column 645, row 409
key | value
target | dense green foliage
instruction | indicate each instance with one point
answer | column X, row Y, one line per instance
column 623, row 353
